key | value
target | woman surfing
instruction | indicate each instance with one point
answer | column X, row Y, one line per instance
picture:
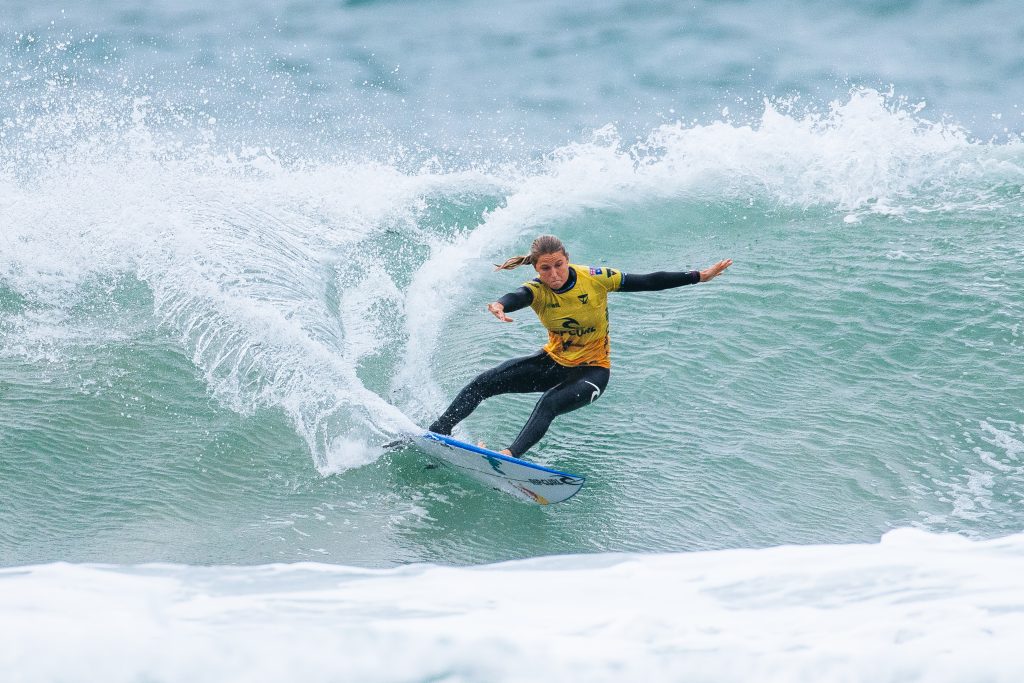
column 574, row 366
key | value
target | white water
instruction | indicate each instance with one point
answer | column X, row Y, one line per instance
column 914, row 607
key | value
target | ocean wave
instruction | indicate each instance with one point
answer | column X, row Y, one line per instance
column 286, row 280
column 914, row 606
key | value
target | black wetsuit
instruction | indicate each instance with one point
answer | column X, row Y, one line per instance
column 565, row 388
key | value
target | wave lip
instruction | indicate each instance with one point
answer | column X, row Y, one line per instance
column 915, row 606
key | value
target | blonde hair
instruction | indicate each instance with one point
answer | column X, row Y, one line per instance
column 542, row 246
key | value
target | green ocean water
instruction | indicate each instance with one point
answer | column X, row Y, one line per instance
column 244, row 245
column 242, row 248
column 842, row 379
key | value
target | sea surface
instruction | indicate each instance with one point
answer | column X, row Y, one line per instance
column 243, row 245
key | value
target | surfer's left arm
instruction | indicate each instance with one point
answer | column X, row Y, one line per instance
column 654, row 282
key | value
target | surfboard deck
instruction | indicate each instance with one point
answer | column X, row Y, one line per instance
column 523, row 479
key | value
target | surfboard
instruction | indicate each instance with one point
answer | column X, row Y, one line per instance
column 524, row 480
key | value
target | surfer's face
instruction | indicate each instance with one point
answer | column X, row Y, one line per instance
column 553, row 269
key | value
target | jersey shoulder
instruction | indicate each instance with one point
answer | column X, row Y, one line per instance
column 534, row 284
column 607, row 278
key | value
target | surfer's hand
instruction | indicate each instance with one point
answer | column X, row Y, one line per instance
column 715, row 270
column 498, row 310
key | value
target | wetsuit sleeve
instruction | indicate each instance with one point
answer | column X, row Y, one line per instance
column 513, row 301
column 653, row 282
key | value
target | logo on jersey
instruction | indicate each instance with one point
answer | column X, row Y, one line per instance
column 608, row 272
column 554, row 305
column 571, row 326
column 584, row 298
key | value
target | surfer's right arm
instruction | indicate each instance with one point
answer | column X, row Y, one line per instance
column 513, row 301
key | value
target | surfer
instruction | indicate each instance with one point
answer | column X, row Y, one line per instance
column 574, row 366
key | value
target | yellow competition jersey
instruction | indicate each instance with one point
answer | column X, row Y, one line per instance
column 577, row 319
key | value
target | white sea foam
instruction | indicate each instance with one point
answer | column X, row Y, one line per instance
column 915, row 606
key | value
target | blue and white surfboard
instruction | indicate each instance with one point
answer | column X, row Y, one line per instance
column 525, row 480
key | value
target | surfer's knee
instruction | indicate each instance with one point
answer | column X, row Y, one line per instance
column 591, row 387
column 589, row 391
column 580, row 393
column 484, row 385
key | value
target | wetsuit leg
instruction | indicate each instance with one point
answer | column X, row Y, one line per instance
column 581, row 386
column 536, row 372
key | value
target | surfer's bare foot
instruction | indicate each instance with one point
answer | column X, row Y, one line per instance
column 503, row 451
